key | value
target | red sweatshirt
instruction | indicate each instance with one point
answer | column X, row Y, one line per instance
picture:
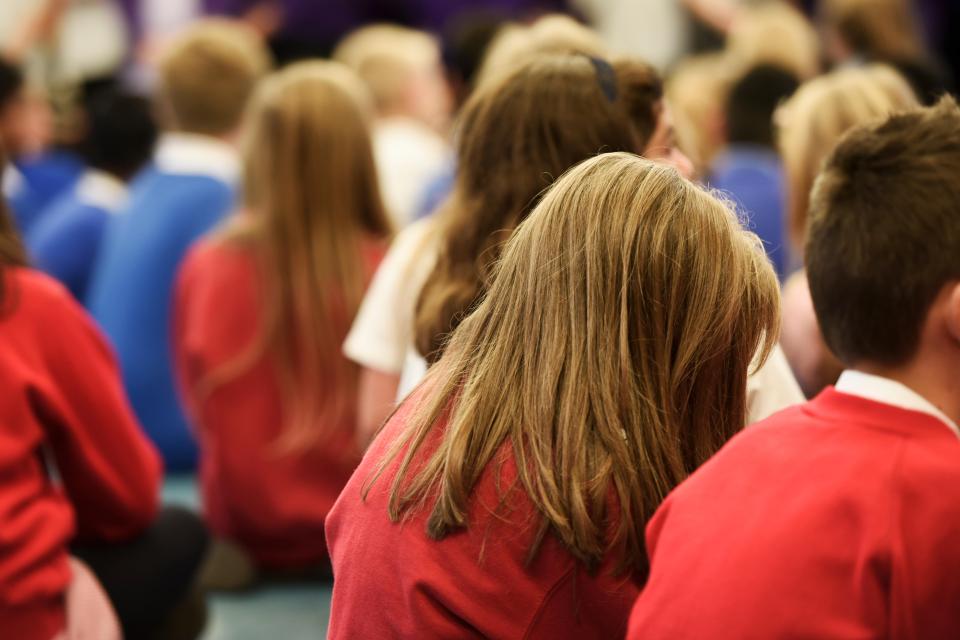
column 272, row 503
column 836, row 519
column 392, row 581
column 63, row 414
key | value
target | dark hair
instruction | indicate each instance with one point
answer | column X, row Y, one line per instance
column 752, row 101
column 884, row 234
column 465, row 42
column 120, row 132
column 11, row 82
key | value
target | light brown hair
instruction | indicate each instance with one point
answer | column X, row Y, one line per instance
column 885, row 233
column 812, row 121
column 311, row 189
column 517, row 136
column 207, row 75
column 883, row 30
column 610, row 354
column 516, row 44
column 384, row 56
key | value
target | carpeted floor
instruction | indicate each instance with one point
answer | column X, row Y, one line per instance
column 291, row 612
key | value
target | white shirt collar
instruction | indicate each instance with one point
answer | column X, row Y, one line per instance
column 100, row 189
column 887, row 391
column 192, row 154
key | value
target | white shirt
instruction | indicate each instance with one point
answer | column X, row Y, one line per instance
column 409, row 155
column 194, row 154
column 381, row 337
column 100, row 189
column 887, row 391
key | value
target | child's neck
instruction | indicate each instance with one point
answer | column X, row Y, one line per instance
column 937, row 379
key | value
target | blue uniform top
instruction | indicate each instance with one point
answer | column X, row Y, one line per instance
column 65, row 240
column 46, row 177
column 174, row 202
column 753, row 177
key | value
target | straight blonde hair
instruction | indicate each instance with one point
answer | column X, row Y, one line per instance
column 610, row 355
column 311, row 191
column 814, row 119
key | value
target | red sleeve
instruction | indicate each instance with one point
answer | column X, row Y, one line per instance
column 108, row 468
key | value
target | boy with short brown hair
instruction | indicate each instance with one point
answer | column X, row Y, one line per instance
column 839, row 518
column 205, row 80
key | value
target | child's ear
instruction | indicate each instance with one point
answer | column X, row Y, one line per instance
column 953, row 311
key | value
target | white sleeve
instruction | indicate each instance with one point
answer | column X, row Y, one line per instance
column 383, row 328
column 772, row 388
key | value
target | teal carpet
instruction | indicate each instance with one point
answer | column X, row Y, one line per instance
column 290, row 612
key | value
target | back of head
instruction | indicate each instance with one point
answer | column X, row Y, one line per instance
column 515, row 45
column 591, row 354
column 752, row 101
column 208, row 73
column 517, row 136
column 819, row 113
column 775, row 33
column 120, row 132
column 696, row 90
column 388, row 58
column 877, row 30
column 884, row 235
column 312, row 193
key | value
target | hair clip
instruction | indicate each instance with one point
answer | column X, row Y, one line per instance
column 606, row 77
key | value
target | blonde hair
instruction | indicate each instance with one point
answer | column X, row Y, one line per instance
column 311, row 190
column 812, row 121
column 775, row 33
column 610, row 355
column 696, row 90
column 208, row 73
column 515, row 44
column 384, row 56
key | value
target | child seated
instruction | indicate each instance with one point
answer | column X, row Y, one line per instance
column 206, row 77
column 80, row 481
column 506, row 497
column 838, row 518
column 119, row 140
column 261, row 309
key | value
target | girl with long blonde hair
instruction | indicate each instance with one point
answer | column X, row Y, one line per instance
column 263, row 306
column 607, row 360
column 810, row 125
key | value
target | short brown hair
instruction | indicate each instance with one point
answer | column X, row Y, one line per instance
column 208, row 74
column 884, row 234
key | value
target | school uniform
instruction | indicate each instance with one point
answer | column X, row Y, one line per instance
column 188, row 189
column 65, row 241
column 392, row 581
column 45, row 177
column 272, row 503
column 73, row 463
column 835, row 519
column 753, row 176
column 382, row 334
